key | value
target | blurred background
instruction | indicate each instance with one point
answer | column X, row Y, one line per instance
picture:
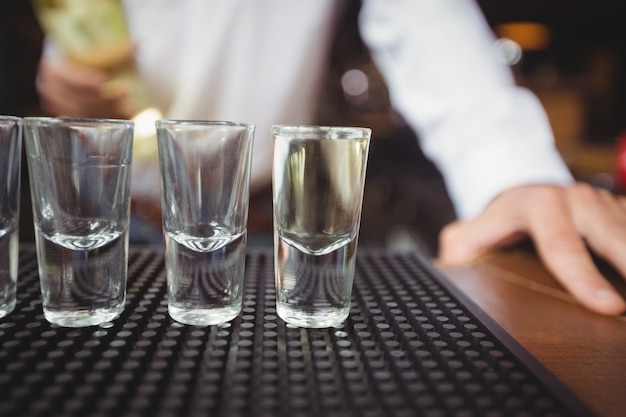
column 571, row 53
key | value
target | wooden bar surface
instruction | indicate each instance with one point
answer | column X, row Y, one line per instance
column 586, row 351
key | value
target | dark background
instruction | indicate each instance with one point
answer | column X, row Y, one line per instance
column 583, row 69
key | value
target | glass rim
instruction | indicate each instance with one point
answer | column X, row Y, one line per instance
column 9, row 118
column 303, row 131
column 203, row 123
column 74, row 121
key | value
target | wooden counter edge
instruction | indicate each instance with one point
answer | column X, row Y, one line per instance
column 584, row 350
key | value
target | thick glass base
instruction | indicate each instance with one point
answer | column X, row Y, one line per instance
column 321, row 318
column 82, row 318
column 6, row 308
column 203, row 316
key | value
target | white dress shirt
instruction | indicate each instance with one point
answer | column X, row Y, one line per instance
column 262, row 61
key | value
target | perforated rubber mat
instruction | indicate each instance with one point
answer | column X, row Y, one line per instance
column 412, row 346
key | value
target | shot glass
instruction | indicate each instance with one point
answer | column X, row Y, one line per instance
column 10, row 158
column 80, row 187
column 205, row 181
column 318, row 180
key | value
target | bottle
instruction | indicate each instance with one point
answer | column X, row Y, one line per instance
column 95, row 33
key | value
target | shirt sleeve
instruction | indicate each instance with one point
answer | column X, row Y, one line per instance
column 485, row 133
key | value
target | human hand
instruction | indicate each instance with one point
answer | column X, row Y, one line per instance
column 564, row 224
column 70, row 89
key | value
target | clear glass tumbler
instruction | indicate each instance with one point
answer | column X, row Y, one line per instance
column 205, row 181
column 318, row 182
column 10, row 158
column 80, row 186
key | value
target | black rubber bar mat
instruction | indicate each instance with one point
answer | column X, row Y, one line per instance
column 412, row 346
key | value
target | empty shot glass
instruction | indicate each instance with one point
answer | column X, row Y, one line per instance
column 318, row 183
column 10, row 158
column 205, row 180
column 80, row 187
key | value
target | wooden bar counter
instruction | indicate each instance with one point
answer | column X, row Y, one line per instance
column 586, row 351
